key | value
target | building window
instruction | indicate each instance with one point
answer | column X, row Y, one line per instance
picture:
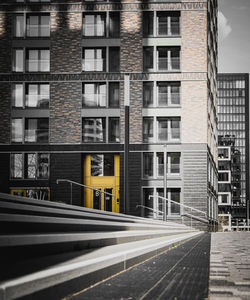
column 94, row 24
column 224, row 198
column 224, row 177
column 148, row 164
column 37, row 130
column 19, row 26
column 148, row 23
column 18, row 60
column 114, row 94
column 94, row 130
column 17, row 130
column 37, row 95
column 168, row 58
column 148, row 94
column 148, row 59
column 168, row 94
column 148, row 129
column 36, row 166
column 94, row 95
column 102, row 165
column 29, row 166
column 38, row 60
column 114, row 59
column 94, row 59
column 160, row 164
column 174, row 195
column 38, row 25
column 168, row 129
column 114, row 130
column 17, row 95
column 114, row 24
column 16, row 165
column 173, row 163
column 168, row 23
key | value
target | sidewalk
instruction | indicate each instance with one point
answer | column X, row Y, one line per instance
column 230, row 266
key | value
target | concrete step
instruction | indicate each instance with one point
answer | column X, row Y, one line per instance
column 17, row 223
column 88, row 268
column 10, row 204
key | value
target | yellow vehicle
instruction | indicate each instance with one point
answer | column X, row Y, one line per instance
column 102, row 172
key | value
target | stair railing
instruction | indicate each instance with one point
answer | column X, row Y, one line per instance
column 82, row 185
column 204, row 219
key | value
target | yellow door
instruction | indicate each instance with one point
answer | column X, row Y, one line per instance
column 102, row 172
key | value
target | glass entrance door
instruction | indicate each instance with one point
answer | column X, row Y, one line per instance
column 108, row 199
column 97, row 199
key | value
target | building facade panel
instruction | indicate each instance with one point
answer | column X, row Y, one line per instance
column 5, row 113
column 65, row 112
column 66, row 34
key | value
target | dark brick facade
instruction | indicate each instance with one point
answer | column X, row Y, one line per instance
column 5, row 42
column 65, row 112
column 66, row 166
column 5, row 96
column 65, row 48
column 131, row 41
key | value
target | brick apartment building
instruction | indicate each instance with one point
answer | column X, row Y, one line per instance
column 63, row 65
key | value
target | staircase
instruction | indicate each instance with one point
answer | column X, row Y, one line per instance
column 49, row 249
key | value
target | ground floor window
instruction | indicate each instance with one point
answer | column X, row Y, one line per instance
column 153, row 202
column 39, row 193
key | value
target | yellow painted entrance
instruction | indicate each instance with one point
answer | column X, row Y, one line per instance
column 102, row 172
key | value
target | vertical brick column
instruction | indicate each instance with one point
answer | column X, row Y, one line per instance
column 66, row 34
column 194, row 41
column 65, row 112
column 65, row 105
column 5, row 44
column 5, row 96
column 132, row 61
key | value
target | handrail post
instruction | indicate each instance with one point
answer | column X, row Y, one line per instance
column 70, row 193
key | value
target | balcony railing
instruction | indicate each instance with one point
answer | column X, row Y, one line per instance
column 94, row 100
column 97, row 64
column 38, row 30
column 33, row 65
column 36, row 135
column 165, row 99
column 94, row 30
column 37, row 101
column 165, row 64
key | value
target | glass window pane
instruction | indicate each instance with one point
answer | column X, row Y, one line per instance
column 43, row 166
column 114, row 130
column 45, row 26
column 148, row 164
column 94, row 130
column 97, row 165
column 32, row 96
column 114, row 59
column 162, row 129
column 17, row 95
column 162, row 23
column 19, row 26
column 109, row 165
column 148, row 94
column 114, row 94
column 162, row 94
column 16, row 163
column 17, row 130
column 148, row 58
column 148, row 129
column 160, row 164
column 18, row 60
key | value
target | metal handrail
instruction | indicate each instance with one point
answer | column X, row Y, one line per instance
column 149, row 208
column 180, row 204
column 83, row 185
